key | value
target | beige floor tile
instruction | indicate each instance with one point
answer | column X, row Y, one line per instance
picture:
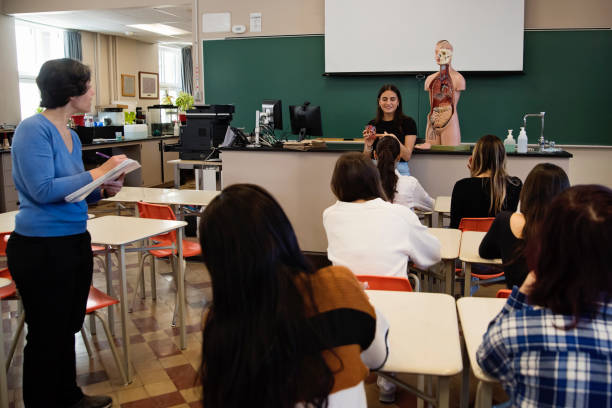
column 153, row 376
column 159, row 388
column 102, row 388
column 147, row 365
column 173, row 361
column 192, row 394
column 131, row 394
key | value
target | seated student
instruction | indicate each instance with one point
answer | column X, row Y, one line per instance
column 405, row 190
column 551, row 345
column 511, row 232
column 489, row 189
column 367, row 234
column 279, row 334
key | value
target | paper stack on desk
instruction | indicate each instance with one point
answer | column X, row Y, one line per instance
column 305, row 144
column 124, row 167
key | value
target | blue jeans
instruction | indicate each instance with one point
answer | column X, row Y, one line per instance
column 403, row 168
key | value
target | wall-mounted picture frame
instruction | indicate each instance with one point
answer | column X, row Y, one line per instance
column 128, row 85
column 148, row 85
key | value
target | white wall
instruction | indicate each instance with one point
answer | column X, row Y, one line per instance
column 9, row 80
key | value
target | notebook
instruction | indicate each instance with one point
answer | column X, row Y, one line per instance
column 125, row 166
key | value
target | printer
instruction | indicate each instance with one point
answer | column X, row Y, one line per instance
column 204, row 132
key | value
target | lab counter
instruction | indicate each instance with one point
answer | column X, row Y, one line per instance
column 300, row 180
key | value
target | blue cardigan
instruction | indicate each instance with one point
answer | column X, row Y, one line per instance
column 44, row 173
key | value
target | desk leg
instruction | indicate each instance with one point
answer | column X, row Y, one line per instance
column 109, row 288
column 465, row 381
column 177, row 176
column 449, row 276
column 467, row 285
column 420, row 387
column 484, row 395
column 124, row 313
column 181, row 287
column 443, row 392
column 3, row 383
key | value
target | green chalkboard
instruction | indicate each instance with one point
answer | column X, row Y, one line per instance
column 567, row 74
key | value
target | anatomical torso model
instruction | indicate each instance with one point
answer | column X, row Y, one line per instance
column 444, row 89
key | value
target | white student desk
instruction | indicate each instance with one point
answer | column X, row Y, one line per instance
column 119, row 232
column 468, row 254
column 7, row 221
column 442, row 207
column 166, row 196
column 423, row 337
column 475, row 314
column 450, row 240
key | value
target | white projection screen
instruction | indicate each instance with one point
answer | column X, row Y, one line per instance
column 370, row 36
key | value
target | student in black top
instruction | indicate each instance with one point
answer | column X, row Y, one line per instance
column 390, row 119
column 489, row 190
column 511, row 233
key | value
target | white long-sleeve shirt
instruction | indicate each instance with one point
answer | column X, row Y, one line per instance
column 377, row 238
column 410, row 193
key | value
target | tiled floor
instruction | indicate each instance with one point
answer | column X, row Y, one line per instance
column 164, row 375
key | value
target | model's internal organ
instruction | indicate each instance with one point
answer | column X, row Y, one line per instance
column 442, row 103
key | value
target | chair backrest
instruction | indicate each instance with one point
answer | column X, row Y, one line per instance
column 392, row 283
column 8, row 290
column 4, row 236
column 503, row 293
column 158, row 212
column 476, row 224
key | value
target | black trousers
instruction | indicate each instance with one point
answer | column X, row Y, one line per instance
column 53, row 275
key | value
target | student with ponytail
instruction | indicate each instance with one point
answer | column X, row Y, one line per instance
column 398, row 188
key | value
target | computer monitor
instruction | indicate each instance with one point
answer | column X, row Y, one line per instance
column 305, row 120
column 273, row 111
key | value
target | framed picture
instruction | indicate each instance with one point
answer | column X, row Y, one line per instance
column 148, row 85
column 128, row 85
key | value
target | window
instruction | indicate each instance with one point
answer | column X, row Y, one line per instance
column 170, row 67
column 35, row 44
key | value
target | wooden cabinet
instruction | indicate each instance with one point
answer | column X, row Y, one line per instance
column 9, row 195
column 150, row 160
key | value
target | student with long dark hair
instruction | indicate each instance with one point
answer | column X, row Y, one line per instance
column 489, row 189
column 390, row 119
column 399, row 189
column 551, row 345
column 511, row 233
column 279, row 333
column 49, row 253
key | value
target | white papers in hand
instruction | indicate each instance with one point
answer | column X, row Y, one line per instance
column 125, row 166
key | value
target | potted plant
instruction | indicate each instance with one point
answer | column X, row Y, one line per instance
column 183, row 101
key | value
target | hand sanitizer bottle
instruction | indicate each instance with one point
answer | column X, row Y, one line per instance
column 510, row 143
column 177, row 129
column 522, row 141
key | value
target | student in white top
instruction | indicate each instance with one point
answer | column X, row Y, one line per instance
column 368, row 234
column 400, row 189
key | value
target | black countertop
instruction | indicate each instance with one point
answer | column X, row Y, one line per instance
column 346, row 147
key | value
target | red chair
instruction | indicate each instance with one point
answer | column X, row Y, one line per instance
column 391, row 283
column 190, row 248
column 503, row 293
column 95, row 301
column 480, row 225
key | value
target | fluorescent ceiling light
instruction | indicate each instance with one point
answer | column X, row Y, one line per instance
column 162, row 29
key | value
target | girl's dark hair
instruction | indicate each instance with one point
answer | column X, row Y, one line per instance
column 570, row 254
column 387, row 151
column 398, row 116
column 60, row 79
column 544, row 182
column 356, row 178
column 259, row 347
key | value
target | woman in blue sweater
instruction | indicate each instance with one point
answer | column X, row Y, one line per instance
column 49, row 253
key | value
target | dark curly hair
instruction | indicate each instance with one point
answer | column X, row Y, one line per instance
column 60, row 79
column 387, row 151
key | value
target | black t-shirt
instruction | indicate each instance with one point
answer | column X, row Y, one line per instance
column 500, row 242
column 408, row 127
column 472, row 198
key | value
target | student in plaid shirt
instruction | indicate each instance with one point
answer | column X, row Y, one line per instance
column 551, row 345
